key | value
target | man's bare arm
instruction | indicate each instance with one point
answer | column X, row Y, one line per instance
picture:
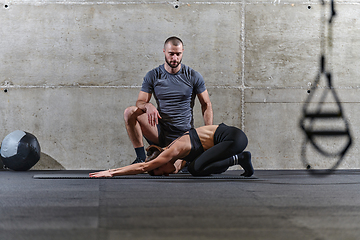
column 144, row 104
column 206, row 107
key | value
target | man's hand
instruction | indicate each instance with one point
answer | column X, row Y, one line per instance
column 152, row 114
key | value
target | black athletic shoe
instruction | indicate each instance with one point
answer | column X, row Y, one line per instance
column 138, row 160
column 245, row 163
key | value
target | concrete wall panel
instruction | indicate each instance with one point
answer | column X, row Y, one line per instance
column 227, row 107
column 83, row 127
column 282, row 48
column 115, row 44
column 346, row 47
column 273, row 127
column 80, row 128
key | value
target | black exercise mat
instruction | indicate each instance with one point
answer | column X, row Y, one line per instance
column 139, row 176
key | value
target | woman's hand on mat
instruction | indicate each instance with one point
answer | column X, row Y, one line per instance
column 106, row 173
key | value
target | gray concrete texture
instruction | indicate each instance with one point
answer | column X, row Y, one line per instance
column 70, row 68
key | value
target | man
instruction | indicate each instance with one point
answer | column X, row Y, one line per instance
column 208, row 149
column 174, row 86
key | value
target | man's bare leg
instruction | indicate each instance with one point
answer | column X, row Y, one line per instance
column 137, row 126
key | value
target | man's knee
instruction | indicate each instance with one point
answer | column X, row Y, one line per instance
column 129, row 113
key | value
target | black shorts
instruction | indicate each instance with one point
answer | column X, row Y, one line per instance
column 165, row 136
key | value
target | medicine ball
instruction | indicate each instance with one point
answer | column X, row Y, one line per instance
column 20, row 151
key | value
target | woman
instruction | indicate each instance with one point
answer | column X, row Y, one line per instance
column 209, row 149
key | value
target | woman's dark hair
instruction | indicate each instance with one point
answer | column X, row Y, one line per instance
column 152, row 156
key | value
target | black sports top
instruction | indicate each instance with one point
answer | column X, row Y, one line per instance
column 196, row 146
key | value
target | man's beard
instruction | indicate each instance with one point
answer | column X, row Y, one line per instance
column 171, row 65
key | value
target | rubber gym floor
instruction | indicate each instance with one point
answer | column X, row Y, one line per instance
column 289, row 204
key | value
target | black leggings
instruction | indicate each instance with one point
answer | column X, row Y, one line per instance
column 228, row 141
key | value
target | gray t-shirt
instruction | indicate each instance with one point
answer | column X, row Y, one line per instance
column 174, row 95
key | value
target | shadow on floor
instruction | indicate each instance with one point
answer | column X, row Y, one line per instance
column 46, row 162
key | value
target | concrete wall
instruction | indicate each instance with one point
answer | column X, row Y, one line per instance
column 70, row 68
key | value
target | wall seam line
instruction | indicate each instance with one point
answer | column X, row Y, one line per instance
column 243, row 64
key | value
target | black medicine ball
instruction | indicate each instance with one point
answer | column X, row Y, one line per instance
column 20, row 151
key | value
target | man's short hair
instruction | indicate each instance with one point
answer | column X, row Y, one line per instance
column 174, row 41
